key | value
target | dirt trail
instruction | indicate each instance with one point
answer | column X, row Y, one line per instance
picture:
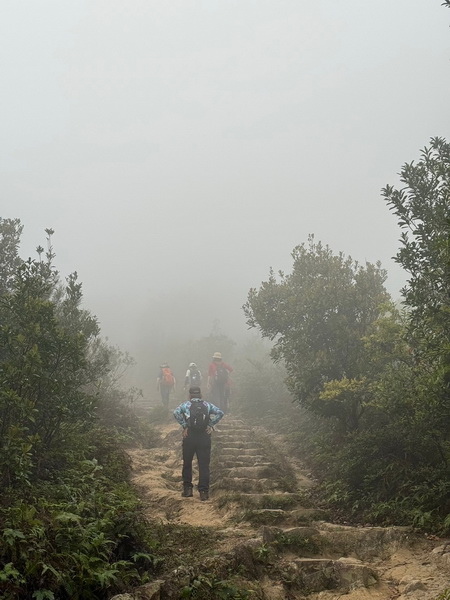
column 157, row 475
column 290, row 549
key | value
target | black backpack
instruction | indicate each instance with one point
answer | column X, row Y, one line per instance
column 198, row 416
column 221, row 374
column 194, row 376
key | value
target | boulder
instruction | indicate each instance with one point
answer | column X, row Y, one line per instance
column 413, row 586
column 319, row 574
column 313, row 574
column 365, row 543
column 352, row 573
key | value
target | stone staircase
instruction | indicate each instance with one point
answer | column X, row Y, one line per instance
column 271, row 541
column 293, row 549
column 251, row 468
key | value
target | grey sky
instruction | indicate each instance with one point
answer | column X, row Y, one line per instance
column 181, row 148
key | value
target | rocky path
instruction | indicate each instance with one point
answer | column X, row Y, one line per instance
column 281, row 547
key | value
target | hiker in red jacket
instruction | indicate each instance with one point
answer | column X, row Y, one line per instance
column 219, row 381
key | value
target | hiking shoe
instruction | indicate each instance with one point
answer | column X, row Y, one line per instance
column 204, row 495
column 187, row 491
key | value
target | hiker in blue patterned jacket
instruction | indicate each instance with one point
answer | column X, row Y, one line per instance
column 197, row 418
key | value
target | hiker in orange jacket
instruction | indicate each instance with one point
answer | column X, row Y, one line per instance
column 165, row 383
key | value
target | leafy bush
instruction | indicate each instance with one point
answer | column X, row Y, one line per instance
column 70, row 524
column 75, row 538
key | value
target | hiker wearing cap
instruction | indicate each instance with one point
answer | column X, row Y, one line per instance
column 165, row 383
column 193, row 377
column 197, row 418
column 219, row 381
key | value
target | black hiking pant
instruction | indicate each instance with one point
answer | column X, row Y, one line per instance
column 197, row 443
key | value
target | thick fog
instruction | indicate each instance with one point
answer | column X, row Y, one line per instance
column 180, row 148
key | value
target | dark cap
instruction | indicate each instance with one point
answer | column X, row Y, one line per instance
column 194, row 390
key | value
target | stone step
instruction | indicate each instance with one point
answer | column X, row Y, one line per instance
column 302, row 515
column 227, row 451
column 241, row 445
column 265, row 516
column 279, row 516
column 318, row 574
column 242, row 484
column 239, row 430
column 255, row 472
column 364, row 543
column 312, row 574
column 352, row 573
column 232, row 437
column 244, row 461
column 276, row 499
column 290, row 537
column 247, row 458
column 230, row 422
column 233, row 430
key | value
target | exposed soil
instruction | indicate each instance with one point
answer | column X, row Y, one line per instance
column 281, row 547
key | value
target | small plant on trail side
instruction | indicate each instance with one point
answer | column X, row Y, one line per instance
column 208, row 587
column 264, row 554
column 297, row 543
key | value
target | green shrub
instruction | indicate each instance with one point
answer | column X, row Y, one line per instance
column 75, row 538
column 70, row 525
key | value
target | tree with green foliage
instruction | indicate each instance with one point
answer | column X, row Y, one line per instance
column 318, row 316
column 394, row 469
column 382, row 375
column 45, row 336
column 423, row 210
